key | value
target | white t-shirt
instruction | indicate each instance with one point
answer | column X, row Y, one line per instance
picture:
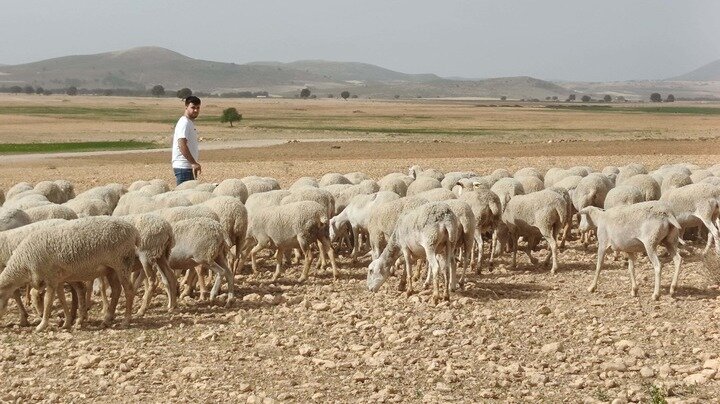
column 184, row 128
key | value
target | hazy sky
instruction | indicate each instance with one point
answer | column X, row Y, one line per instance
column 565, row 39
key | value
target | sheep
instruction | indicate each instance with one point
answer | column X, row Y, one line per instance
column 153, row 252
column 17, row 189
column 304, row 182
column 258, row 201
column 528, row 172
column 498, row 174
column 570, row 210
column 530, row 183
column 333, row 179
column 466, row 234
column 135, row 202
column 635, row 228
column 407, row 179
column 191, row 184
column 2, row 196
column 429, row 231
column 714, row 169
column 381, row 222
column 109, row 193
column 356, row 177
column 27, row 200
column 610, row 170
column 12, row 218
column 344, row 195
column 51, row 191
column 256, row 184
column 694, row 205
column 712, row 180
column 202, row 241
column 176, row 198
column 674, row 180
column 234, row 219
column 52, row 211
column 629, row 171
column 84, row 207
column 591, row 191
column 646, row 184
column 80, row 250
column 623, row 195
column 179, row 213
column 232, row 187
column 138, row 185
column 393, row 184
column 9, row 240
column 699, row 175
column 295, row 225
column 506, row 188
column 436, row 194
column 67, row 188
column 536, row 215
column 357, row 215
column 553, row 175
column 321, row 196
column 582, row 171
column 416, row 172
column 205, row 187
column 451, row 178
column 487, row 209
column 152, row 189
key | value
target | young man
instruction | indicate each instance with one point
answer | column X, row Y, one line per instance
column 185, row 151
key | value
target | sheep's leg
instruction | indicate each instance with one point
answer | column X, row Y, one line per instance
column 146, row 275
column 600, row 256
column 103, row 291
column 60, row 292
column 325, row 243
column 202, row 283
column 514, row 243
column 528, row 252
column 631, row 270
column 493, row 240
column 677, row 260
column 220, row 267
column 109, row 309
column 408, row 272
column 477, row 264
column 434, row 267
column 81, row 292
column 657, row 266
column 129, row 296
column 47, row 306
column 308, row 260
column 356, row 243
column 170, row 281
column 553, row 250
column 253, row 259
column 21, row 307
column 565, row 232
column 188, row 283
column 713, row 232
column 322, row 261
column 278, row 265
column 36, row 298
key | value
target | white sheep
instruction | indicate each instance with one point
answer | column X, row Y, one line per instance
column 191, row 184
column 255, row 184
column 647, row 185
column 436, row 194
column 295, row 225
column 487, row 209
column 528, row 172
column 467, row 224
column 530, row 183
column 635, row 229
column 304, row 182
column 333, row 179
column 343, row 194
column 232, row 187
column 506, row 188
column 27, row 200
column 51, row 211
column 422, row 184
column 356, row 177
column 84, row 207
column 383, row 219
column 137, row 185
column 12, row 218
column 699, row 175
column 623, row 195
column 629, row 171
column 416, row 172
column 429, row 232
column 674, row 180
column 393, row 184
column 259, row 200
column 534, row 216
column 109, row 193
column 695, row 205
column 451, row 178
column 78, row 251
column 234, row 219
column 16, row 189
column 67, row 188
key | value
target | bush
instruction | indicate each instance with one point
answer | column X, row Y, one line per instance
column 655, row 97
column 305, row 93
column 607, row 98
column 670, row 98
column 503, row 98
column 571, row 97
column 72, row 90
column 158, row 90
column 345, row 94
column 230, row 115
column 183, row 93
column 586, row 98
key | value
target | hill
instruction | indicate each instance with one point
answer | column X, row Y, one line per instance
column 708, row 72
column 143, row 67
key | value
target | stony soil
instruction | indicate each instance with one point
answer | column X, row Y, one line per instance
column 512, row 335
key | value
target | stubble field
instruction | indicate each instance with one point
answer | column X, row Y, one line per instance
column 512, row 335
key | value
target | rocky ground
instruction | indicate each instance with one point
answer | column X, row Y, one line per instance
column 511, row 336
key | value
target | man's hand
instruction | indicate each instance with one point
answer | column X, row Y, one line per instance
column 196, row 169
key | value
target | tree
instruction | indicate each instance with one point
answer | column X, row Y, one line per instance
column 39, row 90
column 230, row 115
column 29, row 90
column 345, row 94
column 16, row 89
column 503, row 98
column 158, row 90
column 586, row 98
column 655, row 97
column 620, row 98
column 670, row 98
column 72, row 90
column 571, row 97
column 554, row 98
column 305, row 93
column 607, row 98
column 184, row 93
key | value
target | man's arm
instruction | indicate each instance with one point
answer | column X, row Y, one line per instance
column 185, row 151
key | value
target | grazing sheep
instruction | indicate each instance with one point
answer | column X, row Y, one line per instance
column 232, row 187
column 78, row 251
column 321, row 196
column 202, row 241
column 407, row 179
column 85, row 207
column 109, row 193
column 343, row 194
column 499, row 174
column 582, row 171
column 506, row 188
column 356, row 177
column 451, row 178
column 18, row 188
column 333, row 179
column 629, row 171
column 712, row 180
column 259, row 201
column 430, row 232
column 534, row 216
column 304, row 182
column 138, row 185
column 51, row 211
column 530, row 183
column 205, row 187
column 466, row 234
column 256, row 184
column 695, row 205
column 134, row 203
column 179, row 213
column 67, row 188
column 191, row 184
column 674, row 180
column 553, row 175
column 12, row 218
column 487, row 209
column 295, row 225
column 175, row 198
column 393, row 184
column 383, row 219
column 436, row 194
column 699, row 175
column 528, row 172
column 152, row 189
column 591, row 191
column 635, row 229
column 646, row 184
column 417, row 172
column 27, row 200
column 623, row 195
column 234, row 219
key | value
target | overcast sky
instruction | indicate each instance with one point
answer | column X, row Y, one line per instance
column 564, row 39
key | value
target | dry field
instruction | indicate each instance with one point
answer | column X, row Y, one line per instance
column 511, row 336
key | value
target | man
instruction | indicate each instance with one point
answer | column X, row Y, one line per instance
column 185, row 151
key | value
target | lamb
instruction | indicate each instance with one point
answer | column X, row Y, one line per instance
column 256, row 184
column 623, row 195
column 538, row 215
column 201, row 241
column 78, row 251
column 84, row 207
column 635, row 228
column 429, row 231
column 646, row 184
column 51, row 211
column 295, row 225
column 333, row 179
column 416, row 172
column 694, row 205
column 357, row 215
column 383, row 218
column 153, row 251
column 12, row 218
column 422, row 184
column 232, row 187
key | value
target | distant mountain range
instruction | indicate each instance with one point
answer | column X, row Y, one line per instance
column 142, row 68
column 709, row 72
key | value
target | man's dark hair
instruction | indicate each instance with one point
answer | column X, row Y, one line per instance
column 192, row 100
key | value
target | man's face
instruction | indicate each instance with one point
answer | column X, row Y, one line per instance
column 192, row 111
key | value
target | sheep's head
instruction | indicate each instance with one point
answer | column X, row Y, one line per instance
column 586, row 221
column 377, row 273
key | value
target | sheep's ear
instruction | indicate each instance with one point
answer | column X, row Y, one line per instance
column 476, row 184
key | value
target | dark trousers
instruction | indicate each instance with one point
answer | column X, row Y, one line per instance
column 183, row 174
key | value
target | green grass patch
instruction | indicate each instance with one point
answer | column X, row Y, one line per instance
column 20, row 148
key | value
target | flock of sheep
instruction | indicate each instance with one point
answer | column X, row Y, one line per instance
column 118, row 238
